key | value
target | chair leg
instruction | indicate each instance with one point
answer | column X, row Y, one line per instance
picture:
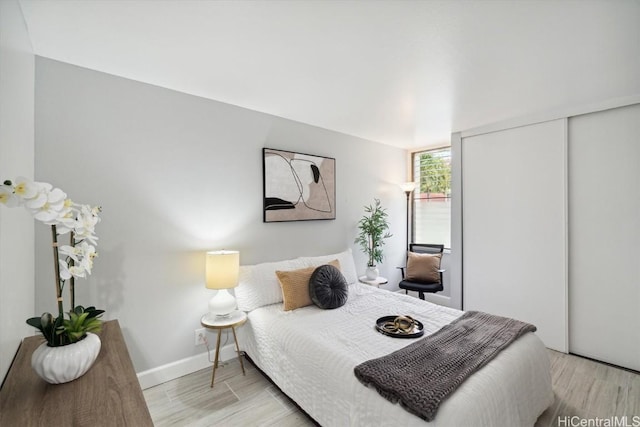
column 421, row 294
column 406, row 292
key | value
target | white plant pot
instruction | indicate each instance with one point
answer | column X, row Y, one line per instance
column 371, row 273
column 57, row 365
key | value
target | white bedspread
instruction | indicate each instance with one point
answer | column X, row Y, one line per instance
column 310, row 354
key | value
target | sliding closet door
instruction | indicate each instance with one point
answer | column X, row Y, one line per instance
column 514, row 226
column 604, row 236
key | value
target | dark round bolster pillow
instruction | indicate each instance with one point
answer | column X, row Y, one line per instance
column 328, row 288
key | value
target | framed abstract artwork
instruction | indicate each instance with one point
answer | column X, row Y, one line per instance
column 297, row 186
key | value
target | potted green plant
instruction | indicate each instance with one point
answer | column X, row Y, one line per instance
column 373, row 228
column 53, row 361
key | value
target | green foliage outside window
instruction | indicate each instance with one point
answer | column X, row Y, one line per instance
column 435, row 174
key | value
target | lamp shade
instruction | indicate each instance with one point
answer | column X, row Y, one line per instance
column 408, row 187
column 222, row 269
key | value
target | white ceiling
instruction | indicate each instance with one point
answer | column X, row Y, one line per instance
column 404, row 73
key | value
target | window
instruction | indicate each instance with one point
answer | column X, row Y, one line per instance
column 431, row 215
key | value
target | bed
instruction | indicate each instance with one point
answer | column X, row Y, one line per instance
column 310, row 354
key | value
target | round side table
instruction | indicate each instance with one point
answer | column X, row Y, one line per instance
column 375, row 282
column 235, row 318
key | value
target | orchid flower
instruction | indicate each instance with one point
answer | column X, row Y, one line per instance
column 86, row 250
column 73, row 252
column 37, row 200
column 51, row 209
column 7, row 196
column 80, row 252
column 87, row 262
column 25, row 188
column 86, row 222
column 77, row 271
column 67, row 272
column 66, row 212
column 66, row 220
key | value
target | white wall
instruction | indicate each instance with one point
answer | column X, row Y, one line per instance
column 16, row 159
column 178, row 175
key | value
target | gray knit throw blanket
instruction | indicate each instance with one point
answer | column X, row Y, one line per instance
column 423, row 374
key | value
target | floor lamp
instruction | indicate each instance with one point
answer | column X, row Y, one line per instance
column 408, row 187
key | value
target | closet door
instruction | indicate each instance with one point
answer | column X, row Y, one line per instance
column 604, row 236
column 514, row 226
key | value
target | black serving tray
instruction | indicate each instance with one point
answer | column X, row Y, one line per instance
column 418, row 329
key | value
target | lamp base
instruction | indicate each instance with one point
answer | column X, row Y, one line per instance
column 221, row 305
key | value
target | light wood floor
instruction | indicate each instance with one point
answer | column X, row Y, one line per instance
column 582, row 388
column 236, row 400
column 589, row 389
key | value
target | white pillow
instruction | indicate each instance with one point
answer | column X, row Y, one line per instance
column 347, row 265
column 258, row 284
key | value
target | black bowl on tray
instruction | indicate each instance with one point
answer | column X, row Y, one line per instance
column 388, row 325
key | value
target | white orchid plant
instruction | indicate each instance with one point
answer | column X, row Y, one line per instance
column 52, row 207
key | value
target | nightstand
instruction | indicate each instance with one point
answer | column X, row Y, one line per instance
column 375, row 282
column 235, row 318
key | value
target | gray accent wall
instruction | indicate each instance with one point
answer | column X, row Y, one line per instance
column 17, row 64
column 178, row 175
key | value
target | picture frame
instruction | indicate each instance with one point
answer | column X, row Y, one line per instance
column 297, row 186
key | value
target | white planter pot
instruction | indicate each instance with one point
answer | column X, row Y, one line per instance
column 57, row 365
column 371, row 273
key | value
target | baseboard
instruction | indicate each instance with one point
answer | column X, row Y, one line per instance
column 180, row 368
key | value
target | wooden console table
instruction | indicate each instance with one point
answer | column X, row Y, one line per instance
column 109, row 394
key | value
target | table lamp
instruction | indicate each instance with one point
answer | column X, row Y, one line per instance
column 222, row 271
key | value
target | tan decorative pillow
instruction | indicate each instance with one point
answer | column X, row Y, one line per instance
column 423, row 267
column 295, row 286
